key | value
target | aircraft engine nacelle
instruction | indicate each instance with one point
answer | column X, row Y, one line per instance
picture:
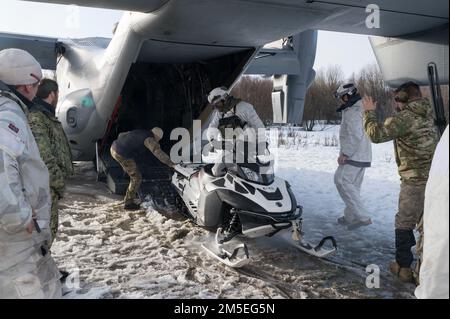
column 406, row 59
column 293, row 73
column 75, row 112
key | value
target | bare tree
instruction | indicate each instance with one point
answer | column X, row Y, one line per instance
column 257, row 91
column 320, row 105
column 370, row 82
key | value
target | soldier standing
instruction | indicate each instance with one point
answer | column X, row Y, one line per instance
column 415, row 138
column 434, row 271
column 53, row 144
column 354, row 157
column 27, row 269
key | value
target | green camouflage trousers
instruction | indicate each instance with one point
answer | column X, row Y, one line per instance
column 130, row 167
column 410, row 215
column 410, row 206
column 54, row 218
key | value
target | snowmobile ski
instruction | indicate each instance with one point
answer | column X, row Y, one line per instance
column 317, row 251
column 246, row 201
column 230, row 259
column 239, row 257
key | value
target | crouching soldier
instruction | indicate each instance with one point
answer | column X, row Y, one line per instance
column 27, row 269
column 129, row 146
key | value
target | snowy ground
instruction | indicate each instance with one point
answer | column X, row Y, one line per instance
column 112, row 253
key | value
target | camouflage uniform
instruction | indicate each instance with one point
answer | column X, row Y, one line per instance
column 55, row 152
column 415, row 139
column 126, row 147
column 153, row 146
column 130, row 167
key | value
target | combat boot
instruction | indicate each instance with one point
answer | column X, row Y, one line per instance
column 131, row 205
column 405, row 274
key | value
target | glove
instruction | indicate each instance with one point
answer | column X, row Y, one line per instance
column 209, row 148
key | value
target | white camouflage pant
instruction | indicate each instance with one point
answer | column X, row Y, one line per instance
column 348, row 180
column 34, row 278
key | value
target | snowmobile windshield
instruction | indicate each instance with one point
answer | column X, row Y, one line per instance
column 256, row 173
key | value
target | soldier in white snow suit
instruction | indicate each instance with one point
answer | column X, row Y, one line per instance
column 354, row 157
column 27, row 269
column 434, row 271
column 232, row 113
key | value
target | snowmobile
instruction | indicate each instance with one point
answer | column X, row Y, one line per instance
column 247, row 201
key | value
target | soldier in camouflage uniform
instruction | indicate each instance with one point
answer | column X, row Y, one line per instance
column 415, row 138
column 130, row 145
column 52, row 143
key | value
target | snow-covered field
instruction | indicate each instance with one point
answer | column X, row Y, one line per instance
column 112, row 253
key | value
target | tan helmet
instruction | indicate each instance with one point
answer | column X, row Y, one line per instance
column 158, row 132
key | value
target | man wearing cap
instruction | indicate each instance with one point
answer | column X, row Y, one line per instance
column 27, row 269
column 415, row 137
column 127, row 147
column 52, row 142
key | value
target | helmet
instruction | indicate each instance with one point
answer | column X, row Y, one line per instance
column 18, row 67
column 218, row 94
column 345, row 89
column 158, row 132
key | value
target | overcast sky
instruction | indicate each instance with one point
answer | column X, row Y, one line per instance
column 351, row 52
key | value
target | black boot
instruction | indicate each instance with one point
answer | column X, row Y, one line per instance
column 404, row 241
column 131, row 206
column 64, row 275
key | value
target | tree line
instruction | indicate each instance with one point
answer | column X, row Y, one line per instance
column 320, row 104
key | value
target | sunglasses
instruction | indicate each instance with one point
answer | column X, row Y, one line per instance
column 37, row 79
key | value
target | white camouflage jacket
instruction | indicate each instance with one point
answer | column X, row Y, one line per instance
column 434, row 271
column 246, row 112
column 24, row 185
column 353, row 140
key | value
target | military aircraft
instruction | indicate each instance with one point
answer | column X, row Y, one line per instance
column 165, row 56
